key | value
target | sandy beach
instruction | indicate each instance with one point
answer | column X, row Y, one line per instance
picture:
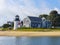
column 20, row 33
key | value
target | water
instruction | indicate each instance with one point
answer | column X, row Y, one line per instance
column 29, row 40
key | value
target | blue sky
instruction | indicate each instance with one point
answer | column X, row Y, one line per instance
column 24, row 8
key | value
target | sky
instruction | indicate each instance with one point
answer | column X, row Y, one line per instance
column 10, row 8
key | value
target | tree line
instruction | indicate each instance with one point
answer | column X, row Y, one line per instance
column 53, row 16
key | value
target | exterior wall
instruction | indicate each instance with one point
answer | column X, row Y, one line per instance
column 36, row 25
column 26, row 22
column 46, row 24
column 16, row 25
column 40, row 25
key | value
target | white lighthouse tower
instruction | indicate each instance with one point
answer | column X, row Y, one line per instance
column 16, row 22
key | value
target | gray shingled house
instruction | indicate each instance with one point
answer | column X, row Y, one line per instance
column 36, row 22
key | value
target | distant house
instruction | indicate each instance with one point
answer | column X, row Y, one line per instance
column 46, row 23
column 36, row 22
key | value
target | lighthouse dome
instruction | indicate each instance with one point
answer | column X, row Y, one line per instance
column 17, row 18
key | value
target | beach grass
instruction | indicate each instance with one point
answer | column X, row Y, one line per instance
column 32, row 29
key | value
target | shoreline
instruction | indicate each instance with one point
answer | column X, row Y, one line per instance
column 28, row 34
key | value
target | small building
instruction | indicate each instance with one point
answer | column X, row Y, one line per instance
column 46, row 23
column 34, row 22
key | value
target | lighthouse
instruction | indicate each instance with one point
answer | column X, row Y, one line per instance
column 16, row 22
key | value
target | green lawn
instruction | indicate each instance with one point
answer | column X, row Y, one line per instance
column 37, row 29
column 33, row 29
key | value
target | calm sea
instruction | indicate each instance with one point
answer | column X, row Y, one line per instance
column 29, row 40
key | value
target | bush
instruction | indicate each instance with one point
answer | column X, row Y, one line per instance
column 6, row 25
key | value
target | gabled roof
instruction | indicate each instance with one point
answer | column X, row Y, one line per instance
column 33, row 19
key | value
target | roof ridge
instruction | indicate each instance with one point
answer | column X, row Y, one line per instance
column 33, row 16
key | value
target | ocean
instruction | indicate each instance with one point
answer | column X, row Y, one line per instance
column 29, row 40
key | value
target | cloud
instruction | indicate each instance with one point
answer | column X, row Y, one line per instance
column 57, row 9
column 10, row 8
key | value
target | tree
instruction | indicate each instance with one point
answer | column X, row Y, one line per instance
column 56, row 21
column 12, row 25
column 43, row 15
column 6, row 25
column 53, row 14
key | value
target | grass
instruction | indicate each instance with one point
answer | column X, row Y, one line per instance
column 38, row 29
column 32, row 29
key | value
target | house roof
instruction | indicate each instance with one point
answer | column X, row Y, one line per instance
column 37, row 19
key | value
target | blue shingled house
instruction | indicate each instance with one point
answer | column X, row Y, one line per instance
column 46, row 23
column 36, row 22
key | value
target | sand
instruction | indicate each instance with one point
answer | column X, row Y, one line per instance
column 22, row 33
